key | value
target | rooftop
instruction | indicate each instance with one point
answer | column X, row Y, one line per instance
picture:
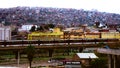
column 86, row 55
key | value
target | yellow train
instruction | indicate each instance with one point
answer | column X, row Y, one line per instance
column 50, row 35
column 57, row 34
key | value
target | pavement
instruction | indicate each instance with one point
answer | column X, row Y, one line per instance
column 41, row 64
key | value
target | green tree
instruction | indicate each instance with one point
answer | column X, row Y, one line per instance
column 51, row 25
column 40, row 28
column 33, row 28
column 46, row 27
column 99, row 63
column 97, row 24
column 30, row 51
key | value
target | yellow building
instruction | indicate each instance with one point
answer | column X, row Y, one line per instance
column 56, row 34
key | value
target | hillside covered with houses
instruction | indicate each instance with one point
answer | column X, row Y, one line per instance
column 65, row 16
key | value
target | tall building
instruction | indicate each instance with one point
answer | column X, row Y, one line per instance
column 5, row 33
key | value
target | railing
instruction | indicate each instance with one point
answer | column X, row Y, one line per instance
column 39, row 42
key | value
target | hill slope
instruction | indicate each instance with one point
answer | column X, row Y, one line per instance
column 35, row 15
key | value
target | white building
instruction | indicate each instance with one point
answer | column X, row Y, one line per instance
column 25, row 27
column 5, row 33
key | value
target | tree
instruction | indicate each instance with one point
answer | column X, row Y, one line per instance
column 30, row 51
column 99, row 63
column 40, row 28
column 46, row 27
column 97, row 24
column 33, row 28
column 51, row 25
column 15, row 31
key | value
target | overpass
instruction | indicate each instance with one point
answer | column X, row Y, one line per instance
column 59, row 44
column 39, row 42
column 19, row 45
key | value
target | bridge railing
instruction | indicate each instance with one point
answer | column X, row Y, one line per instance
column 39, row 42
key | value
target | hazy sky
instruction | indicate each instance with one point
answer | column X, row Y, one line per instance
column 111, row 6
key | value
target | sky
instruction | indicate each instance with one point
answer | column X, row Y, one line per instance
column 111, row 6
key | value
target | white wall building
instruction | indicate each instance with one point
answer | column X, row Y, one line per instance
column 25, row 27
column 5, row 33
